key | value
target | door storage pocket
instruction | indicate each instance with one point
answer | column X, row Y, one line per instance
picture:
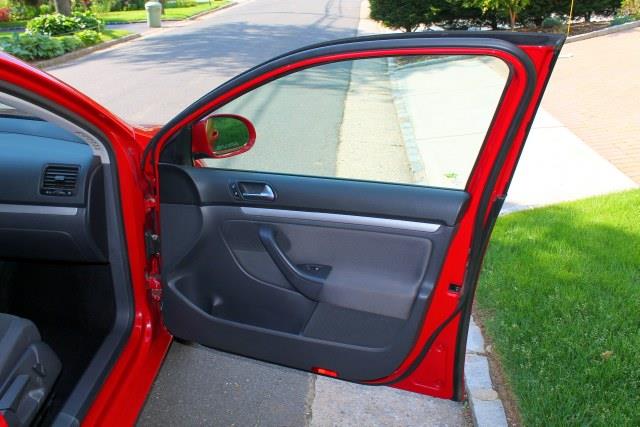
column 283, row 311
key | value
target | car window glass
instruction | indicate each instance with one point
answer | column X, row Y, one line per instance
column 410, row 119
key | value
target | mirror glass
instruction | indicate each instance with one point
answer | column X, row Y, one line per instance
column 226, row 134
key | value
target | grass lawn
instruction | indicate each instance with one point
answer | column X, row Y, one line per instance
column 108, row 35
column 560, row 299
column 174, row 13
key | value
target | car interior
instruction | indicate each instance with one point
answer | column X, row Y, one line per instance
column 64, row 296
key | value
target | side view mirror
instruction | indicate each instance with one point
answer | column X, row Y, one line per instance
column 222, row 135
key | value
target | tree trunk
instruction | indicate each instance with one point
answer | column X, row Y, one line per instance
column 512, row 18
column 493, row 18
column 63, row 7
column 587, row 17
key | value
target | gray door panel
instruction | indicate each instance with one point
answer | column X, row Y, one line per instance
column 223, row 288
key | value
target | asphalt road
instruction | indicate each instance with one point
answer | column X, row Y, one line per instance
column 152, row 79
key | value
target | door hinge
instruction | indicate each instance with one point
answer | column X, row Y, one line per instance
column 152, row 243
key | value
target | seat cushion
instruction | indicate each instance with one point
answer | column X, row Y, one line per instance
column 16, row 335
column 28, row 371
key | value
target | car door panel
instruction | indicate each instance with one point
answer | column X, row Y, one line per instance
column 382, row 269
column 373, row 271
column 207, row 186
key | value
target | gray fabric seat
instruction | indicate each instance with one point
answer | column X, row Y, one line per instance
column 28, row 370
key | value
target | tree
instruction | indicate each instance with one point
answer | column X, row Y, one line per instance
column 454, row 12
column 511, row 8
column 631, row 7
column 587, row 8
column 537, row 10
column 405, row 14
column 63, row 7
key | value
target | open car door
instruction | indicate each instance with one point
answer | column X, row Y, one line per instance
column 348, row 239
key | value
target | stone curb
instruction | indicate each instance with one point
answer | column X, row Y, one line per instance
column 603, row 32
column 48, row 63
column 485, row 404
column 416, row 164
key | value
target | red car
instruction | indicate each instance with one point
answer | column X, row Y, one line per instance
column 323, row 246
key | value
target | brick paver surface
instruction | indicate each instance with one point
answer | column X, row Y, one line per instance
column 595, row 92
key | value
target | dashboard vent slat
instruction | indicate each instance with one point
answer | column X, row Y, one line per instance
column 59, row 180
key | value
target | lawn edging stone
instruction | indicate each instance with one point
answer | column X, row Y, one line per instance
column 59, row 60
column 486, row 407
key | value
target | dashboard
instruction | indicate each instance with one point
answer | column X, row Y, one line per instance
column 51, row 194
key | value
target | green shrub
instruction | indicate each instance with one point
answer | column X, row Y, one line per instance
column 52, row 24
column 33, row 46
column 22, row 12
column 88, row 37
column 622, row 19
column 70, row 43
column 55, row 24
column 180, row 3
column 45, row 9
column 551, row 22
column 102, row 6
column 88, row 21
column 127, row 5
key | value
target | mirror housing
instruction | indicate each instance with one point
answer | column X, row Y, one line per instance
column 222, row 135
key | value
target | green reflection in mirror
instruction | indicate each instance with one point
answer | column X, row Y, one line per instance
column 227, row 134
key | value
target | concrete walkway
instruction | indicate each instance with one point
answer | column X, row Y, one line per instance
column 556, row 164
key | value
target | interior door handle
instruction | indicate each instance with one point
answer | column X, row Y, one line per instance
column 256, row 191
column 306, row 279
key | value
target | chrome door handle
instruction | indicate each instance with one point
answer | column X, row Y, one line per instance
column 256, row 191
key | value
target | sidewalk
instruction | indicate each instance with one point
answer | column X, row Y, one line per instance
column 556, row 164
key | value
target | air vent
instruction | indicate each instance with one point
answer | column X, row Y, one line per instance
column 59, row 180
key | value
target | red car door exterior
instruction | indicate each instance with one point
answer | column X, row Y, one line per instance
column 434, row 364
